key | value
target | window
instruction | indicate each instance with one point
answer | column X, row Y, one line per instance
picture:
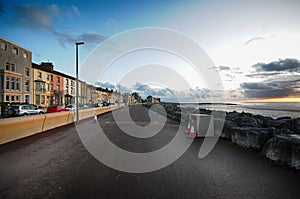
column 7, row 98
column 51, row 78
column 48, row 77
column 58, row 87
column 39, row 75
column 17, row 98
column 12, row 98
column 43, row 99
column 48, row 87
column 27, row 72
column 43, row 87
column 27, row 85
column 51, row 87
column 17, row 84
column 37, row 86
column 3, row 46
column 27, row 99
column 7, row 66
column 56, row 99
column 12, row 67
column 67, row 82
column 15, row 50
column 12, row 83
column 72, row 83
column 25, row 55
column 37, row 99
column 7, row 82
column 58, row 80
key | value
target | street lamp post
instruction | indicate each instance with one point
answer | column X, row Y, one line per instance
column 77, row 82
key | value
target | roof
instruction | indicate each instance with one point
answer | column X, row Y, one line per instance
column 46, row 69
column 14, row 44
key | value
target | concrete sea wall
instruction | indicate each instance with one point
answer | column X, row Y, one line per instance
column 19, row 127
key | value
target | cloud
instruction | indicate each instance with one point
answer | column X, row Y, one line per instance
column 166, row 94
column 40, row 17
column 31, row 16
column 75, row 9
column 272, row 88
column 110, row 23
column 277, row 79
column 221, row 68
column 253, row 39
column 263, row 74
column 106, row 85
column 289, row 65
column 67, row 38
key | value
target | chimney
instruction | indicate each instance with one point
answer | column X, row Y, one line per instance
column 47, row 65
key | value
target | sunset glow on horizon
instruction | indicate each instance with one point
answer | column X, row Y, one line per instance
column 284, row 99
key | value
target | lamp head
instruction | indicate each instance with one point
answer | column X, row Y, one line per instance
column 79, row 43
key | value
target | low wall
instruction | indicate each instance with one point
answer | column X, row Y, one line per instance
column 19, row 127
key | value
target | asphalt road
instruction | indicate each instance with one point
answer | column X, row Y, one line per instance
column 55, row 164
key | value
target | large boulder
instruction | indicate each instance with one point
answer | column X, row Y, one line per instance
column 242, row 119
column 227, row 129
column 276, row 131
column 284, row 149
column 250, row 137
column 264, row 121
column 288, row 123
column 232, row 116
column 246, row 119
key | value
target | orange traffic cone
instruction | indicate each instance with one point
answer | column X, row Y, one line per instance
column 192, row 131
column 95, row 118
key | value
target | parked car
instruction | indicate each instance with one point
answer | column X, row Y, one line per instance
column 56, row 108
column 23, row 110
column 95, row 105
column 105, row 104
column 83, row 106
column 71, row 107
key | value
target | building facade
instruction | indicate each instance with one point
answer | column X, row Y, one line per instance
column 41, row 83
column 69, row 89
column 22, row 81
column 83, row 93
column 48, row 85
column 15, row 73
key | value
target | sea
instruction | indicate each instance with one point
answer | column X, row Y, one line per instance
column 270, row 109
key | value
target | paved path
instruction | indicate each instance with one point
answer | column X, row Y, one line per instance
column 55, row 164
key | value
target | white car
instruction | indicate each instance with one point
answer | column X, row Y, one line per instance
column 71, row 107
column 24, row 110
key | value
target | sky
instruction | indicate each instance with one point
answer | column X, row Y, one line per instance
column 254, row 45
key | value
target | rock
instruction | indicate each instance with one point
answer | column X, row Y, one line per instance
column 232, row 116
column 242, row 119
column 284, row 149
column 227, row 129
column 246, row 120
column 288, row 123
column 264, row 121
column 275, row 131
column 250, row 137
